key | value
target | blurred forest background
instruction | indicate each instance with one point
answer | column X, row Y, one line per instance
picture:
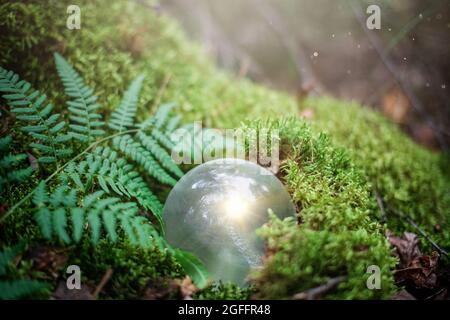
column 323, row 47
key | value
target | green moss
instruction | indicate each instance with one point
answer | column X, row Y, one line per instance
column 407, row 176
column 119, row 40
column 224, row 291
column 133, row 267
column 340, row 232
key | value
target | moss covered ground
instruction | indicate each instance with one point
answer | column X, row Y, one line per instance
column 333, row 162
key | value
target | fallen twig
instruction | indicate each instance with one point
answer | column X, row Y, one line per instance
column 161, row 91
column 319, row 291
column 401, row 215
column 381, row 206
column 102, row 283
column 408, row 219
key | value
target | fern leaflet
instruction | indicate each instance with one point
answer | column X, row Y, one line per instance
column 30, row 107
column 123, row 117
column 15, row 289
column 86, row 122
column 8, row 165
column 61, row 211
column 143, row 157
column 115, row 174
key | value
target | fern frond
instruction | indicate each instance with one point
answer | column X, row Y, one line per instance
column 172, row 124
column 143, row 157
column 159, row 153
column 86, row 123
column 30, row 107
column 17, row 289
column 163, row 139
column 8, row 255
column 113, row 174
column 123, row 117
column 59, row 213
column 162, row 114
column 9, row 171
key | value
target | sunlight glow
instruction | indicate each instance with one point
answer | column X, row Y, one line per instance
column 236, row 208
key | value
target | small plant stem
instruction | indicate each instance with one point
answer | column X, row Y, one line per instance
column 382, row 205
column 160, row 93
column 59, row 169
column 408, row 219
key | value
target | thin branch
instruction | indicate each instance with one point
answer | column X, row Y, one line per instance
column 408, row 219
column 161, row 91
column 317, row 292
column 381, row 206
column 103, row 282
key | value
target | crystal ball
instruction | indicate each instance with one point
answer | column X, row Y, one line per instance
column 214, row 210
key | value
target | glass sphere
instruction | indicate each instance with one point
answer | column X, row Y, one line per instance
column 214, row 210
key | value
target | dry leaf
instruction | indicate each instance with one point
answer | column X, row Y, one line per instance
column 407, row 247
column 187, row 288
column 396, row 105
column 421, row 272
column 415, row 268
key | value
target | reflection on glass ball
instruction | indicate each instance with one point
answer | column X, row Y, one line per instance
column 214, row 210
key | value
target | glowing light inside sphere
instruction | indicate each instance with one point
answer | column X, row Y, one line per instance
column 236, row 208
column 215, row 209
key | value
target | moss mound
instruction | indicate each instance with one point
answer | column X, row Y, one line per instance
column 331, row 177
column 407, row 176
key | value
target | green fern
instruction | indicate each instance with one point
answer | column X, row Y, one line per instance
column 172, row 124
column 113, row 174
column 103, row 192
column 159, row 153
column 162, row 117
column 162, row 114
column 60, row 212
column 123, row 117
column 135, row 151
column 7, row 256
column 163, row 139
column 86, row 122
column 43, row 125
column 149, row 151
column 9, row 171
column 15, row 289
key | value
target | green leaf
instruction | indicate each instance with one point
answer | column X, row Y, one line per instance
column 78, row 223
column 17, row 289
column 123, row 117
column 43, row 218
column 7, row 256
column 82, row 107
column 193, row 267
